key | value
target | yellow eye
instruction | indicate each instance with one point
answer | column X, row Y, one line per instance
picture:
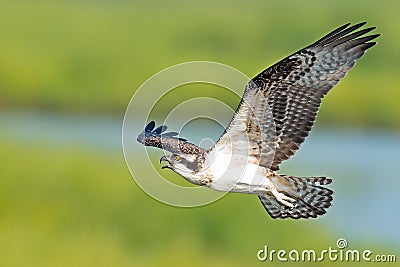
column 177, row 158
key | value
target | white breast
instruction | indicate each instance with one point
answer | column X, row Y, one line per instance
column 232, row 172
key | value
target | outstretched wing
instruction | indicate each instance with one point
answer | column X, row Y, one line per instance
column 293, row 89
column 298, row 83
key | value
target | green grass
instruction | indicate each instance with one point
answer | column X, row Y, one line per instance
column 91, row 56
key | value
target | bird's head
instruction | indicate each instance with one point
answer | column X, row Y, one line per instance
column 183, row 164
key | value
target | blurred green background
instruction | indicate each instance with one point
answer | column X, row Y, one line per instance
column 67, row 200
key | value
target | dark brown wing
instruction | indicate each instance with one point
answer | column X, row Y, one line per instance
column 297, row 84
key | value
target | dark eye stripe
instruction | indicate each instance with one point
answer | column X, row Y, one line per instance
column 190, row 165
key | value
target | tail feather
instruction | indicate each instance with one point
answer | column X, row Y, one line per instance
column 312, row 198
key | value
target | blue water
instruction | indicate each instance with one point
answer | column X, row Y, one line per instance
column 102, row 133
column 363, row 163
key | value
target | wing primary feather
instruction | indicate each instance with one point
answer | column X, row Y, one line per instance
column 352, row 36
column 333, row 33
column 338, row 33
column 368, row 45
column 364, row 40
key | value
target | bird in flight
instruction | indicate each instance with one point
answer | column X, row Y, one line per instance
column 274, row 116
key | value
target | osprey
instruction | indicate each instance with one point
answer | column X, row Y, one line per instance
column 275, row 115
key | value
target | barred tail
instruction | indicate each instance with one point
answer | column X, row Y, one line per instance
column 312, row 199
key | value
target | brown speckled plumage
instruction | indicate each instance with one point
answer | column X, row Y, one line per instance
column 297, row 84
column 275, row 115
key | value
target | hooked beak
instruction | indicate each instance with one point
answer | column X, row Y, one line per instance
column 164, row 158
